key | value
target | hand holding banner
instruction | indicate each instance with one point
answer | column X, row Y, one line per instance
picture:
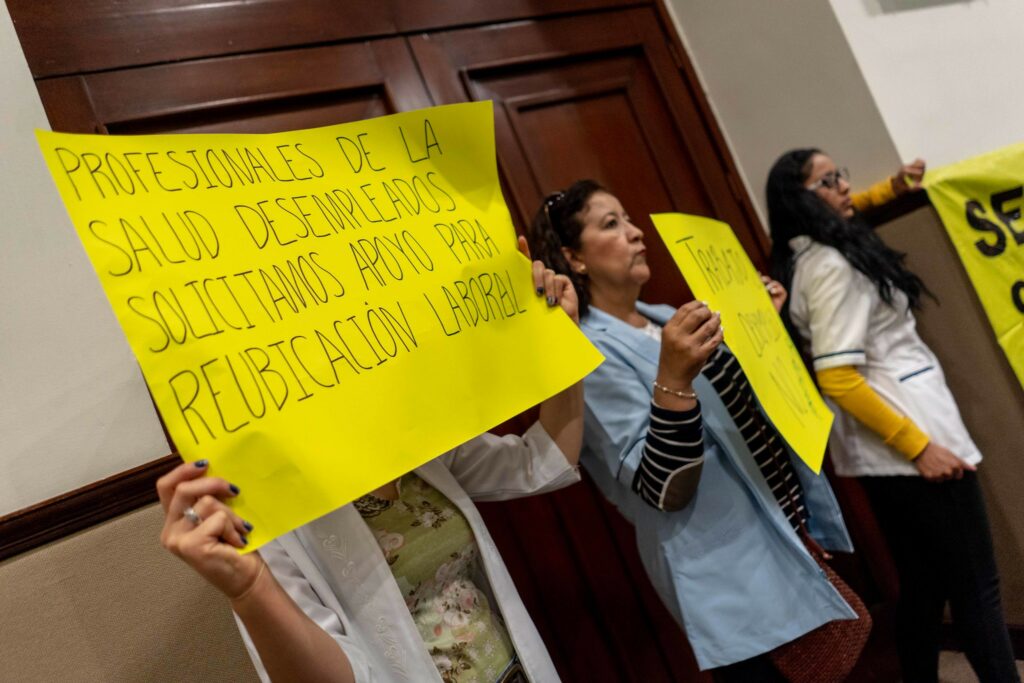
column 719, row 272
column 317, row 312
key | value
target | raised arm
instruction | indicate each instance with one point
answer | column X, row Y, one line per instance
column 907, row 179
column 204, row 532
column 562, row 414
column 655, row 446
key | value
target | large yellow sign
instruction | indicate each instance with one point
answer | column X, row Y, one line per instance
column 980, row 202
column 719, row 272
column 317, row 312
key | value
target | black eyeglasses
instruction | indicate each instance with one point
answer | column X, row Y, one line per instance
column 831, row 179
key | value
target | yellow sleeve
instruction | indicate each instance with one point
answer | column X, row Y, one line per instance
column 848, row 388
column 876, row 195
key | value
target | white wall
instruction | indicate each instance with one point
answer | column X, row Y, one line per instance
column 946, row 74
column 73, row 406
column 779, row 75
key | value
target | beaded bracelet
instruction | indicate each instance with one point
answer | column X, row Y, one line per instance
column 680, row 394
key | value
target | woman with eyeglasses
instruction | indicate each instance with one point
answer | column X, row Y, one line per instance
column 673, row 436
column 897, row 426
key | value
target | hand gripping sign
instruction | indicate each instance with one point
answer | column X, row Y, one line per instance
column 319, row 311
column 719, row 272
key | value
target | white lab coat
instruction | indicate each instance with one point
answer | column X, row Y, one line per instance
column 336, row 573
column 839, row 312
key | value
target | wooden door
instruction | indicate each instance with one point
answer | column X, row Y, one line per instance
column 595, row 96
column 255, row 93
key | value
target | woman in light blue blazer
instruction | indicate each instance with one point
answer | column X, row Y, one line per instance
column 716, row 505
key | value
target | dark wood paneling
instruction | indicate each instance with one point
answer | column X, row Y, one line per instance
column 420, row 15
column 73, row 36
column 77, row 510
column 593, row 96
column 257, row 93
column 64, row 37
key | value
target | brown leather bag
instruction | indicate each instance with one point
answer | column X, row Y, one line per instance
column 828, row 653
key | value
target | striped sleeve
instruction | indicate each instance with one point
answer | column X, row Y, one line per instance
column 763, row 440
column 672, row 458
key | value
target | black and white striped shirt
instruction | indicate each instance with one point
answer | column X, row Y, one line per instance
column 673, row 453
column 672, row 458
column 765, row 443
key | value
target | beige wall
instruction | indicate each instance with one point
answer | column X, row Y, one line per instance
column 782, row 75
column 110, row 604
column 73, row 406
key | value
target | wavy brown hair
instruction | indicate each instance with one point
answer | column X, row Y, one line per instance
column 556, row 225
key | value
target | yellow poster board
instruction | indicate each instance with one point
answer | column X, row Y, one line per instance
column 317, row 312
column 719, row 273
column 980, row 201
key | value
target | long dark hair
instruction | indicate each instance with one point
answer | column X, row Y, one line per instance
column 557, row 224
column 794, row 210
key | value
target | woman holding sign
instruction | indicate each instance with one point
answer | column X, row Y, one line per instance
column 897, row 426
column 403, row 585
column 674, row 438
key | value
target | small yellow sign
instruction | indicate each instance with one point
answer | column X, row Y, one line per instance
column 317, row 312
column 719, row 272
column 980, row 201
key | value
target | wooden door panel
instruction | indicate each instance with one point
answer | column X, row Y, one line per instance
column 594, row 96
column 417, row 15
column 62, row 37
column 596, row 124
column 294, row 114
column 256, row 93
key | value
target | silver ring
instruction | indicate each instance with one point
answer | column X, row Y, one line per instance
column 191, row 515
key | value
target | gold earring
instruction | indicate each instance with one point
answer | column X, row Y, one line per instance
column 582, row 270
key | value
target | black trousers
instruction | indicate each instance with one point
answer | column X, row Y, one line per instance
column 754, row 670
column 939, row 537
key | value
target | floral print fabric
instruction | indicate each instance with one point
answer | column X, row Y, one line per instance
column 434, row 559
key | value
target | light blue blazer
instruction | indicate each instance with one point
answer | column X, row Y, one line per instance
column 728, row 566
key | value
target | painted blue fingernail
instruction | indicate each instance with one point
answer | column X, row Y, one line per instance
column 234, row 489
column 245, row 541
column 248, row 527
column 201, row 463
column 540, row 290
column 552, row 301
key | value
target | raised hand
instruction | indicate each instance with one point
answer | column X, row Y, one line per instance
column 557, row 289
column 203, row 531
column 908, row 178
column 687, row 341
column 776, row 291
